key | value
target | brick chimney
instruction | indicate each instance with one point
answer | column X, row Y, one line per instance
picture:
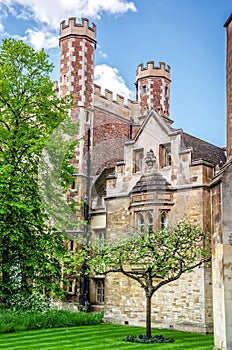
column 228, row 26
column 153, row 88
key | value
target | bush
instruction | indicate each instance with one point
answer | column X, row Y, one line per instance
column 18, row 320
column 28, row 302
column 143, row 339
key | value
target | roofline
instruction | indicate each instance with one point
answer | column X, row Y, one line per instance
column 209, row 143
column 228, row 20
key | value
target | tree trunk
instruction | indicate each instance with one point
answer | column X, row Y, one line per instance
column 148, row 316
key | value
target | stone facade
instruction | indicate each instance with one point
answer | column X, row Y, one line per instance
column 180, row 189
column 222, row 258
column 180, row 305
column 222, row 224
column 132, row 163
column 228, row 26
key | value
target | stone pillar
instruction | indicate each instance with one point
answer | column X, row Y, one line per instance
column 222, row 225
column 228, row 26
column 222, row 260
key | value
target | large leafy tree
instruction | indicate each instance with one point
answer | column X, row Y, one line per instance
column 152, row 259
column 30, row 245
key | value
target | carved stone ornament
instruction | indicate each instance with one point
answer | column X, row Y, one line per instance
column 230, row 238
column 150, row 159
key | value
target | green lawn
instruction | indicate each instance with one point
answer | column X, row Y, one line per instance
column 99, row 337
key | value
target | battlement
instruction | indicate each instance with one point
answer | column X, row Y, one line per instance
column 151, row 70
column 118, row 105
column 108, row 95
column 76, row 29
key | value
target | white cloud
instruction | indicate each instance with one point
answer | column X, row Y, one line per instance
column 109, row 78
column 96, row 7
column 41, row 39
column 103, row 54
column 47, row 14
column 44, row 17
column 53, row 11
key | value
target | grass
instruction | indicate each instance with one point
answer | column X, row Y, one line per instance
column 99, row 337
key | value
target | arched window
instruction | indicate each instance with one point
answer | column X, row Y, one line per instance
column 149, row 222
column 141, row 222
column 163, row 220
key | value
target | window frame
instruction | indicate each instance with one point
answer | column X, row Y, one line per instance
column 163, row 224
column 71, row 245
column 138, row 160
column 71, row 286
column 145, row 225
column 149, row 224
column 144, row 89
column 141, row 223
column 100, row 290
column 165, row 155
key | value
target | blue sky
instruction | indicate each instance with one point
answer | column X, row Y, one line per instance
column 188, row 35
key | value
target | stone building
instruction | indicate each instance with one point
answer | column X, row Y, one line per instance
column 134, row 169
column 222, row 224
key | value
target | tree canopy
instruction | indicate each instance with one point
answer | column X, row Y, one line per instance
column 30, row 110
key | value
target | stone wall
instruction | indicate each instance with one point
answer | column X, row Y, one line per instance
column 185, row 304
column 222, row 258
column 179, row 305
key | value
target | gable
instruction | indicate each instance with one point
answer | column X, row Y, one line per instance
column 163, row 125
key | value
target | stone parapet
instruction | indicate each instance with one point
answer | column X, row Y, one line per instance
column 76, row 29
column 123, row 108
column 150, row 70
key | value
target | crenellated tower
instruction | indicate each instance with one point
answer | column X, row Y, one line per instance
column 77, row 44
column 153, row 88
column 77, row 47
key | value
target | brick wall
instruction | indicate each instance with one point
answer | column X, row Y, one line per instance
column 109, row 135
column 157, row 95
column 76, row 72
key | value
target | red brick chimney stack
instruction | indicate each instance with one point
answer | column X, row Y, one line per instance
column 228, row 26
column 153, row 88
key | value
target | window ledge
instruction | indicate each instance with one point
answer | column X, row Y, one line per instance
column 168, row 167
